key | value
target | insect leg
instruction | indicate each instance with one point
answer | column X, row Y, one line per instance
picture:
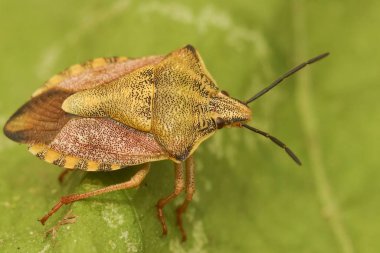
column 179, row 186
column 63, row 175
column 133, row 182
column 190, row 189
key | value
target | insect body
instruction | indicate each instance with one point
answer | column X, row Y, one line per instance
column 110, row 113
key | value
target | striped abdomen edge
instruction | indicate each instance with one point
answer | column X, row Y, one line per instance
column 69, row 162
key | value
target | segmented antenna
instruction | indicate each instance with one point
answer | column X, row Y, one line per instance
column 276, row 141
column 286, row 75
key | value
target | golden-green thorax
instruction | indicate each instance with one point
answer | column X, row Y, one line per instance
column 175, row 99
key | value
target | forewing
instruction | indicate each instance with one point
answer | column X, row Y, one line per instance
column 127, row 99
column 41, row 118
column 95, row 72
column 106, row 141
column 77, row 142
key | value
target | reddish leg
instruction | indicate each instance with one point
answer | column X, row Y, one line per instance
column 62, row 175
column 190, row 189
column 179, row 185
column 133, row 182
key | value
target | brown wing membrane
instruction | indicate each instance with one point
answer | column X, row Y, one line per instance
column 40, row 119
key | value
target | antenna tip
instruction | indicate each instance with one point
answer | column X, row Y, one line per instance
column 325, row 55
column 293, row 156
column 317, row 58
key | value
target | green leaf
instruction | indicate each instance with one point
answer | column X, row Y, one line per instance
column 250, row 196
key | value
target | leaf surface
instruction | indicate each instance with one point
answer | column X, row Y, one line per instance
column 250, row 196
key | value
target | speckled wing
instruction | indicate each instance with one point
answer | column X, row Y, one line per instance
column 41, row 121
column 103, row 144
column 98, row 144
column 41, row 118
column 127, row 99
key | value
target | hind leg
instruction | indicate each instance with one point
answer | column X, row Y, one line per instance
column 63, row 174
column 132, row 183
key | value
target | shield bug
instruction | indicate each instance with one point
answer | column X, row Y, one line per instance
column 111, row 113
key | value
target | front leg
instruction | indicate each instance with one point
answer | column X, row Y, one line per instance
column 179, row 185
column 190, row 189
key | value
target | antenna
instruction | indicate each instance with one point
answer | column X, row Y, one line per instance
column 286, row 75
column 276, row 141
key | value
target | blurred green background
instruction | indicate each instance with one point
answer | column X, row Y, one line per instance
column 250, row 196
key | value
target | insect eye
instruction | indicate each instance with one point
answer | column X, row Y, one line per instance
column 219, row 123
column 225, row 93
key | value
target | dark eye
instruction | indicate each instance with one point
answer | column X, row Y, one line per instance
column 219, row 123
column 225, row 93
